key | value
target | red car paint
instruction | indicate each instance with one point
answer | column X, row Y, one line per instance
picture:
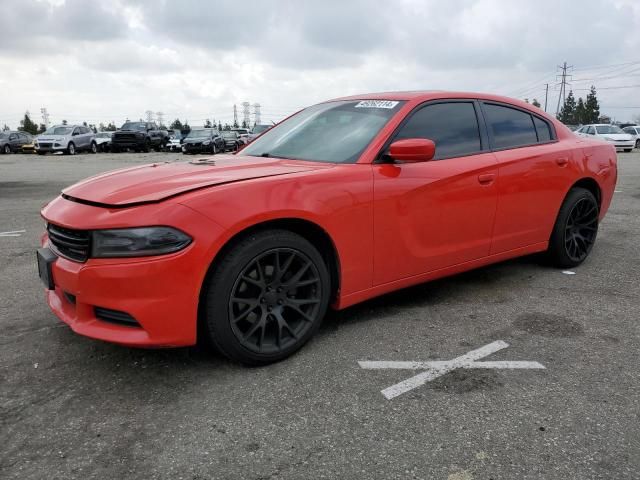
column 392, row 225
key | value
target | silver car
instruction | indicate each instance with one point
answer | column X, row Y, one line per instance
column 634, row 131
column 68, row 139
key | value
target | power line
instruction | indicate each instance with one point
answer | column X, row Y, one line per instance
column 563, row 86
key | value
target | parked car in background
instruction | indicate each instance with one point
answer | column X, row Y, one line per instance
column 29, row 147
column 103, row 140
column 243, row 134
column 139, row 136
column 68, row 139
column 174, row 142
column 232, row 140
column 203, row 140
column 634, row 131
column 608, row 133
column 12, row 141
column 257, row 130
column 343, row 201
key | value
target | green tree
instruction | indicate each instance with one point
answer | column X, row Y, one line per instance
column 207, row 123
column 526, row 100
column 580, row 114
column 5, row 128
column 27, row 125
column 244, row 124
column 186, row 128
column 592, row 107
column 226, row 127
column 42, row 128
column 219, row 126
column 567, row 114
column 176, row 124
column 235, row 124
column 64, row 122
column 535, row 103
column 111, row 127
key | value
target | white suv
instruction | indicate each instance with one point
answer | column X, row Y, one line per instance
column 634, row 131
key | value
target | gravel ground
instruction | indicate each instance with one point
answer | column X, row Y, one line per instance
column 71, row 407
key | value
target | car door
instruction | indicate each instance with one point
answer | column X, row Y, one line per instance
column 14, row 142
column 23, row 139
column 439, row 213
column 534, row 174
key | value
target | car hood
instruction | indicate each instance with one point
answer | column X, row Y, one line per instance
column 156, row 182
column 617, row 136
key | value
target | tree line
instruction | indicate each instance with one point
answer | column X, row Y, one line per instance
column 581, row 112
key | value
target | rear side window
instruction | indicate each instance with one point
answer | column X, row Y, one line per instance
column 510, row 127
column 453, row 127
column 543, row 130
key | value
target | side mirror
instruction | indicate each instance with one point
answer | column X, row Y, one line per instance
column 412, row 150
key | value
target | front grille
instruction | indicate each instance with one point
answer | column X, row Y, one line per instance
column 124, row 137
column 72, row 244
column 45, row 145
column 115, row 316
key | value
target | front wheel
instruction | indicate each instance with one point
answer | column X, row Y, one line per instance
column 71, row 149
column 94, row 147
column 266, row 298
column 638, row 143
column 575, row 229
column 6, row 150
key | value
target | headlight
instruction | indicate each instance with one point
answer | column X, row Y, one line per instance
column 35, row 144
column 137, row 242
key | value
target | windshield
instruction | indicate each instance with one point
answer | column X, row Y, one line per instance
column 608, row 129
column 336, row 132
column 259, row 129
column 58, row 131
column 142, row 127
column 201, row 133
column 228, row 134
column 3, row 135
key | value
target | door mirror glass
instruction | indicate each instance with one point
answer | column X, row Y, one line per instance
column 412, row 150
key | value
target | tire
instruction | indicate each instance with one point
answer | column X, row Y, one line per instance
column 94, row 147
column 279, row 318
column 41, row 153
column 71, row 149
column 6, row 150
column 638, row 143
column 146, row 147
column 575, row 230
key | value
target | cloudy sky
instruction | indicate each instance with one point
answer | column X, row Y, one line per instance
column 101, row 61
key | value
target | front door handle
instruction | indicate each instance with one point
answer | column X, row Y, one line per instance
column 562, row 161
column 486, row 178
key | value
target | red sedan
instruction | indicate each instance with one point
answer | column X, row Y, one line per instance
column 343, row 201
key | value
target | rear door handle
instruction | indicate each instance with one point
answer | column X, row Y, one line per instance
column 486, row 178
column 562, row 161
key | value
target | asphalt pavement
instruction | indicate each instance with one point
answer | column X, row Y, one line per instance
column 71, row 407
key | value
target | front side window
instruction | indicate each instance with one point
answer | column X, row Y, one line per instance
column 333, row 132
column 453, row 127
column 510, row 127
column 591, row 131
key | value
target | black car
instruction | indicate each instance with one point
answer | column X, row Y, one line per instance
column 203, row 140
column 232, row 141
column 12, row 142
column 139, row 136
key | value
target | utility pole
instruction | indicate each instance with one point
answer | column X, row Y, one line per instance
column 45, row 117
column 235, row 114
column 546, row 96
column 160, row 117
column 256, row 113
column 563, row 85
column 149, row 115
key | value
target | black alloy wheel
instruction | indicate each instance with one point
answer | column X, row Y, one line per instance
column 581, row 229
column 576, row 228
column 266, row 298
column 275, row 300
column 94, row 147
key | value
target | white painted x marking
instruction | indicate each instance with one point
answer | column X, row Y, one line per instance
column 437, row 369
column 14, row 233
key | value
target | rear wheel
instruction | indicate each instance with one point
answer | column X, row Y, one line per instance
column 575, row 230
column 146, row 147
column 638, row 143
column 266, row 298
column 6, row 150
column 94, row 147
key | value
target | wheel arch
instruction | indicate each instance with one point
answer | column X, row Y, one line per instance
column 307, row 229
column 591, row 185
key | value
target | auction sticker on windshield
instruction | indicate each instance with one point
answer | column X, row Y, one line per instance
column 376, row 104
